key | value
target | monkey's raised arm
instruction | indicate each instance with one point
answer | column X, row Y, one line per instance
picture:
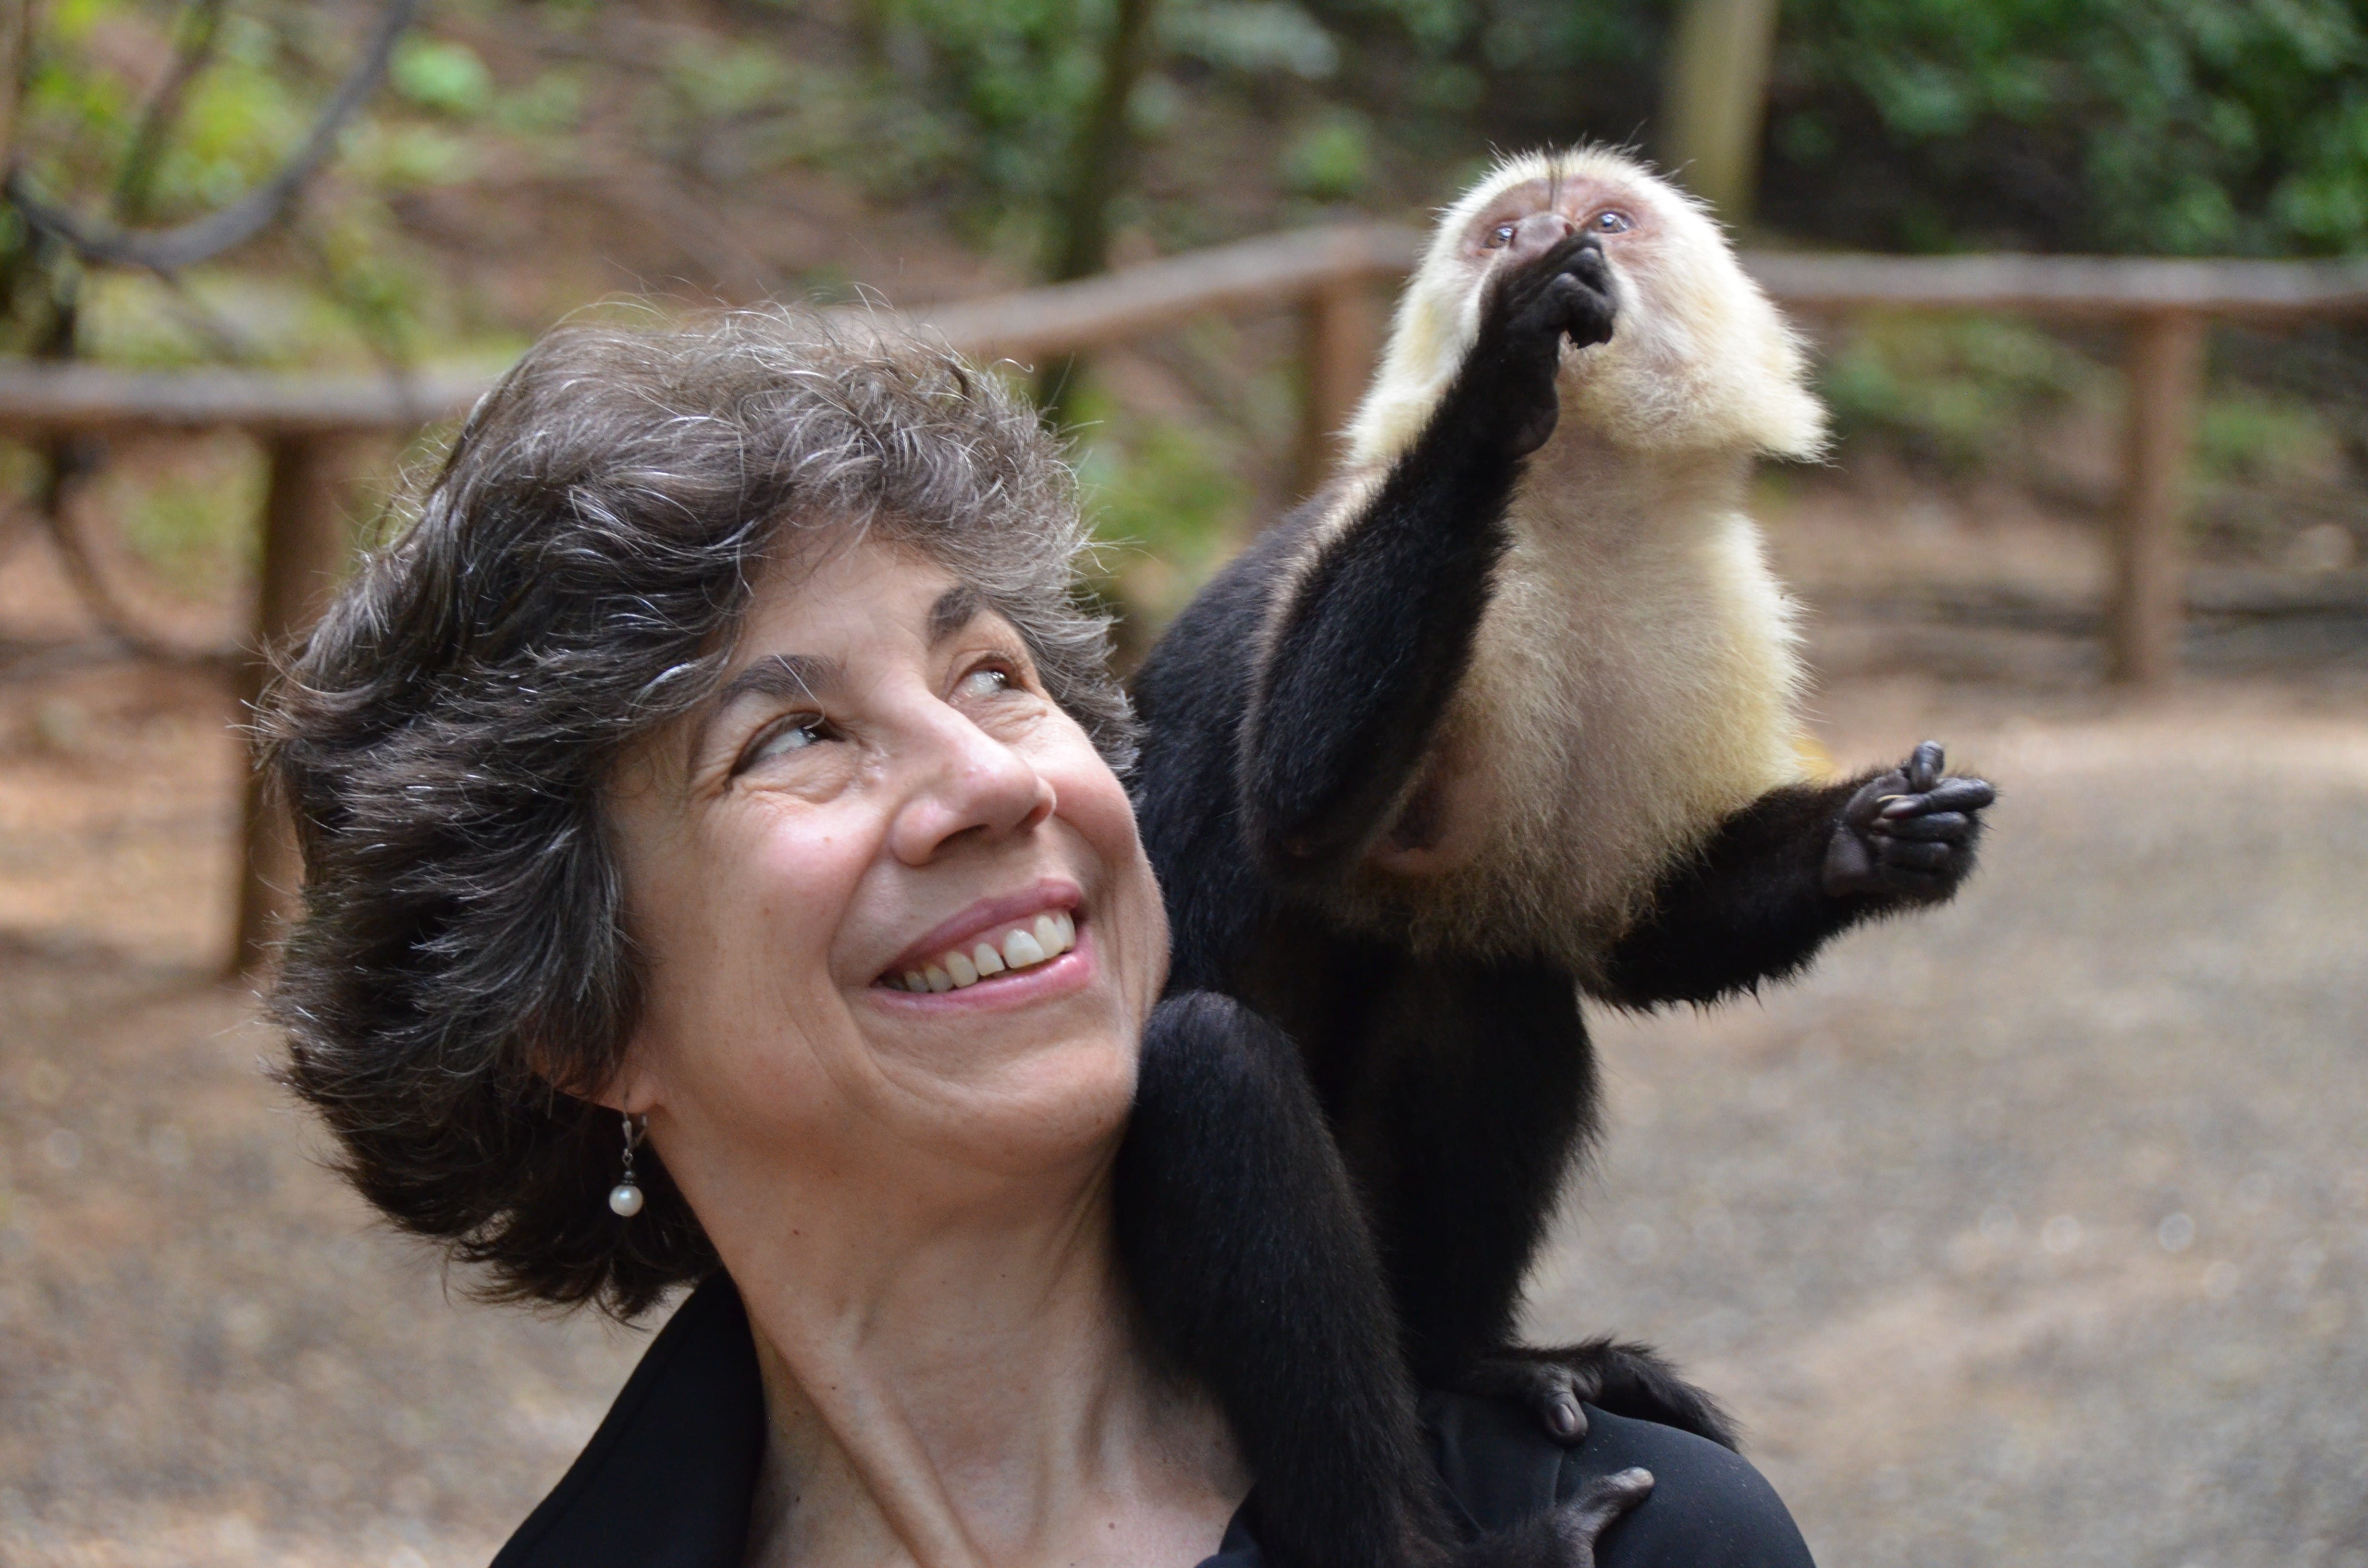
column 1371, row 637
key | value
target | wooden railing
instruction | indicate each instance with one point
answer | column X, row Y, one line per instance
column 1331, row 277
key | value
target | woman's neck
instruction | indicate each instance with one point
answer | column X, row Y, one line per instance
column 968, row 1392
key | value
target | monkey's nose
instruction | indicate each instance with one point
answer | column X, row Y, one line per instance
column 1536, row 235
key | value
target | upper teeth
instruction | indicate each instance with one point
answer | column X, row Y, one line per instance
column 1047, row 937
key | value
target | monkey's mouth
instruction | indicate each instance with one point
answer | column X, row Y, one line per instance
column 1011, row 947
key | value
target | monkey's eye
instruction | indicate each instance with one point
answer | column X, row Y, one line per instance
column 1500, row 236
column 1611, row 220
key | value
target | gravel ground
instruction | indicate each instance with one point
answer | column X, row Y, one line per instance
column 2034, row 1231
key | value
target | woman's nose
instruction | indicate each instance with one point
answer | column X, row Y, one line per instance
column 969, row 784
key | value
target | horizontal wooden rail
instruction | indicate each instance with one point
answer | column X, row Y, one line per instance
column 50, row 400
column 2106, row 286
column 1331, row 276
column 1295, row 268
column 1275, row 269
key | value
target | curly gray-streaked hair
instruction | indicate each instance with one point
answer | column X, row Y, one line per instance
column 574, row 578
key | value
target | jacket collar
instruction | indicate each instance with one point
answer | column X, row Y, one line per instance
column 666, row 1481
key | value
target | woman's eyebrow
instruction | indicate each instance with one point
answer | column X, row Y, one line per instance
column 955, row 608
column 775, row 675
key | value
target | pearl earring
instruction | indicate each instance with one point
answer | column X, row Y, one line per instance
column 625, row 1198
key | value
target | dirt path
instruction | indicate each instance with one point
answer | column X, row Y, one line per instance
column 2037, row 1231
column 2034, row 1232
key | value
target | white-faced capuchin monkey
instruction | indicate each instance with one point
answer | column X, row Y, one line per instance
column 1507, row 714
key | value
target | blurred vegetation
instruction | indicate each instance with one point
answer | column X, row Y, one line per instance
column 528, row 155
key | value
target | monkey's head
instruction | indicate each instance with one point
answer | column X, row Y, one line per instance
column 1699, row 361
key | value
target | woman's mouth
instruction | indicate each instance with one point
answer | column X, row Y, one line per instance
column 1010, row 948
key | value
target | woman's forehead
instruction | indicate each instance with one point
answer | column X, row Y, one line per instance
column 858, row 585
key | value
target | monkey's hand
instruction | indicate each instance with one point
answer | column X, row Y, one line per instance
column 1909, row 833
column 1530, row 310
column 1566, row 1535
column 1627, row 1379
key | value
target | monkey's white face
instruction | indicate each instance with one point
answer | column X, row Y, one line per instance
column 1525, row 221
column 1698, row 358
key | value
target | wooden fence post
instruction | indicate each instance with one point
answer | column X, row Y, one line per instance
column 304, row 549
column 1340, row 335
column 2166, row 373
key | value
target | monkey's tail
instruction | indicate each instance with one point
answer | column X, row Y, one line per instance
column 1257, row 1275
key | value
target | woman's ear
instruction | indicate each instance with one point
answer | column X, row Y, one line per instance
column 633, row 1088
column 629, row 1088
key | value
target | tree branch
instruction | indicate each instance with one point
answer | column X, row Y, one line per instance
column 200, row 29
column 170, row 250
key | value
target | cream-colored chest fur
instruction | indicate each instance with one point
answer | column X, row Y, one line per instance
column 1635, row 682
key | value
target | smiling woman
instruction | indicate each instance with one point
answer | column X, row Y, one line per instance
column 720, row 757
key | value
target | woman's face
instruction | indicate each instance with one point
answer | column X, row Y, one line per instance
column 896, row 919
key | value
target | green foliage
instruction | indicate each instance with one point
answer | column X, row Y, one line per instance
column 80, row 109
column 2245, row 437
column 997, row 89
column 1158, row 485
column 2176, row 126
column 1948, row 389
column 441, row 75
column 1330, row 159
column 1254, row 38
column 93, row 81
column 190, row 520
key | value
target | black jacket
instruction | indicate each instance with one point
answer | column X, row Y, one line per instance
column 666, row 1481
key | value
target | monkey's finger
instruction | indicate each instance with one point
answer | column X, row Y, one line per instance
column 1554, row 1396
column 1911, row 856
column 1603, row 1499
column 1951, row 827
column 1949, row 795
column 1874, row 797
column 1589, row 266
column 1923, row 766
column 1585, row 313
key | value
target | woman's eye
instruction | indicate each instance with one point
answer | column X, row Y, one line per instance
column 1501, row 236
column 986, row 683
column 790, row 735
column 1613, row 222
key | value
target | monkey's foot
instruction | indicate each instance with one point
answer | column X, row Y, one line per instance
column 1565, row 1535
column 1627, row 1379
column 1909, row 834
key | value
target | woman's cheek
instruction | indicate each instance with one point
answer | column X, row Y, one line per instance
column 1135, row 932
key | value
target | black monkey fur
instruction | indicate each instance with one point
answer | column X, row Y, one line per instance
column 1342, row 1146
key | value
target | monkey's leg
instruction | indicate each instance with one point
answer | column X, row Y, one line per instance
column 1377, row 627
column 1792, row 870
column 1480, row 1096
column 1486, row 1095
column 1255, row 1271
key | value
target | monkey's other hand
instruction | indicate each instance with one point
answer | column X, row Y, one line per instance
column 1530, row 308
column 1566, row 1535
column 1908, row 835
column 1627, row 1380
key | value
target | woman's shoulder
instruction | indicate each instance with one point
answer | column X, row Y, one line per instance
column 1708, row 1509
column 667, row 1477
